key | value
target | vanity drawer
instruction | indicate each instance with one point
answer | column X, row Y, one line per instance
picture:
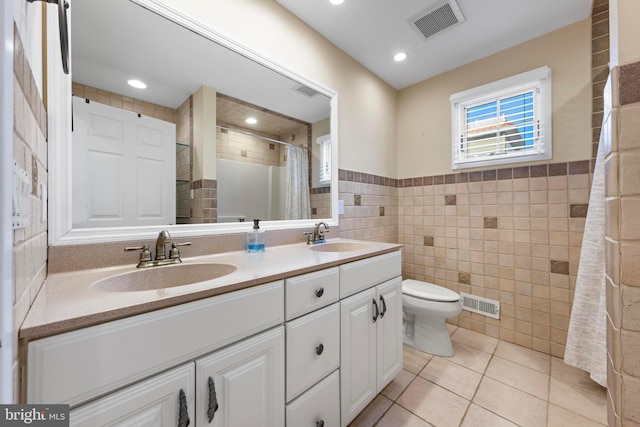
column 359, row 275
column 313, row 349
column 311, row 291
column 319, row 403
column 62, row 368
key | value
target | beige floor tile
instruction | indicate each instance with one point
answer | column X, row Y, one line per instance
column 398, row 384
column 564, row 372
column 477, row 416
column 520, row 377
column 524, row 356
column 372, row 413
column 414, row 360
column 469, row 357
column 560, row 417
column 514, row 405
column 453, row 377
column 434, row 404
column 397, row 416
column 452, row 328
column 476, row 340
column 586, row 401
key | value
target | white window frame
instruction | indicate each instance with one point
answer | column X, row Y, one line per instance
column 324, row 159
column 538, row 80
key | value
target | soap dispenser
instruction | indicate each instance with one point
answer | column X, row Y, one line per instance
column 255, row 238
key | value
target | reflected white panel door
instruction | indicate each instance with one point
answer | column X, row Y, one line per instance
column 124, row 168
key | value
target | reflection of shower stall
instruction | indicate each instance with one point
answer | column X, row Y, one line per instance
column 248, row 190
column 251, row 184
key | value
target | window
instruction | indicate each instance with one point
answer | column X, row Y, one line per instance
column 507, row 121
column 324, row 159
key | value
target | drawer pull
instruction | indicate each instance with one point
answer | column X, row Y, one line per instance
column 383, row 305
column 319, row 292
column 376, row 313
column 213, row 400
column 320, row 423
column 183, row 411
column 319, row 349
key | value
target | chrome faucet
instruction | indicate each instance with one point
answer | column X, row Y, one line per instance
column 161, row 257
column 317, row 235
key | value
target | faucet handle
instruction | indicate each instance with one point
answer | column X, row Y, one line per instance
column 145, row 255
column 174, row 253
column 309, row 235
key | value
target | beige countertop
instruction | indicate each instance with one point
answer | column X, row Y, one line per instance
column 67, row 300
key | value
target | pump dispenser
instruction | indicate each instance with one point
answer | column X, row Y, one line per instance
column 255, row 238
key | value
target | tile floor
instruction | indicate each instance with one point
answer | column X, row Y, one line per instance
column 487, row 383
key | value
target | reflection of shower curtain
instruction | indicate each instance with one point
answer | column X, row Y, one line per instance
column 297, row 204
column 586, row 340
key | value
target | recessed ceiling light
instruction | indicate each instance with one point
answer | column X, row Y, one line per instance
column 251, row 120
column 400, row 56
column 137, row 84
column 336, row 2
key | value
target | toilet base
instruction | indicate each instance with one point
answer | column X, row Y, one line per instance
column 430, row 336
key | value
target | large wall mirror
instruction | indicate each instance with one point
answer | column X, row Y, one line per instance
column 219, row 136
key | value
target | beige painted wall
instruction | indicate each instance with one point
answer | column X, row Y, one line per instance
column 424, row 110
column 367, row 105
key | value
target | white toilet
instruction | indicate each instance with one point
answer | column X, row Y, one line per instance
column 425, row 307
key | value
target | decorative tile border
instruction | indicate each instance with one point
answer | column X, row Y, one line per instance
column 533, row 171
column 629, row 86
column 22, row 72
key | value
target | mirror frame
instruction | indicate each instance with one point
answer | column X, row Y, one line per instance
column 60, row 222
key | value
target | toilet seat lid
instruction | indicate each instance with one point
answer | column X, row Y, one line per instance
column 428, row 291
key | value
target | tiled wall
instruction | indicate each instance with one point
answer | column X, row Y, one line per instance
column 232, row 145
column 599, row 65
column 124, row 102
column 370, row 207
column 511, row 235
column 30, row 151
column 622, row 228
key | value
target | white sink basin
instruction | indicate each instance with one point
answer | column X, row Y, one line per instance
column 340, row 247
column 169, row 276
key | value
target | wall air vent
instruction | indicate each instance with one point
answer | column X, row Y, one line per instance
column 484, row 306
column 438, row 17
column 305, row 90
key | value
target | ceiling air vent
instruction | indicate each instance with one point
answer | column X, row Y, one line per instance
column 305, row 90
column 436, row 18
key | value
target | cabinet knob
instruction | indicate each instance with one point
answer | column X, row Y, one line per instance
column 320, row 423
column 319, row 349
column 319, row 292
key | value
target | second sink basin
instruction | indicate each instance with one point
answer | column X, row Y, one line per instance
column 154, row 278
column 339, row 247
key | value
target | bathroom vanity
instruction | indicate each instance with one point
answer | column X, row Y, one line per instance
column 295, row 336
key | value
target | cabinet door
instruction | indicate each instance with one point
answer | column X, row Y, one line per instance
column 245, row 382
column 154, row 402
column 357, row 353
column 389, row 331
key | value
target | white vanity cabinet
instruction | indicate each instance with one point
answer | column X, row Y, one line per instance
column 371, row 333
column 215, row 390
column 80, row 366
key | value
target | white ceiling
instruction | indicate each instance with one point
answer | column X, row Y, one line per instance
column 116, row 40
column 372, row 31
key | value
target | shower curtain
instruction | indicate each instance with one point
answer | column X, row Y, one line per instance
column 586, row 340
column 297, row 204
